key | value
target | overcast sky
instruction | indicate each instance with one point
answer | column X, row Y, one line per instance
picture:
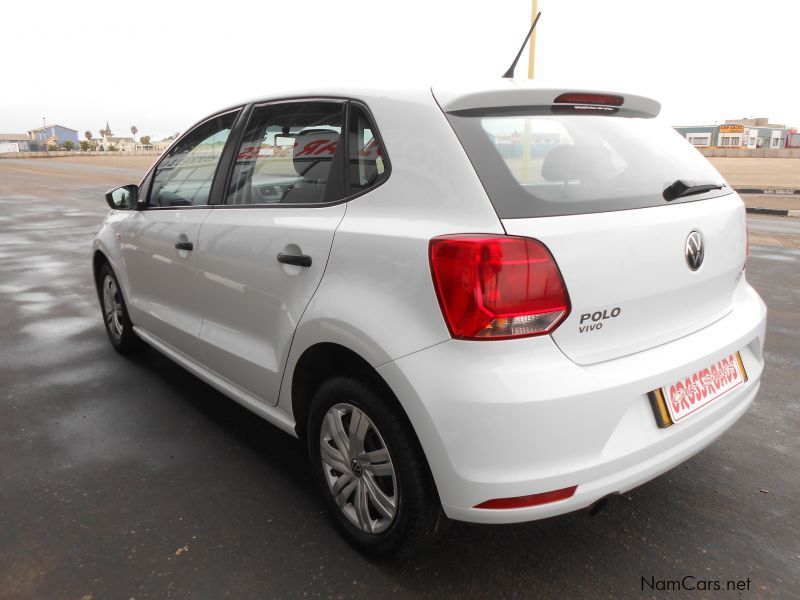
column 161, row 65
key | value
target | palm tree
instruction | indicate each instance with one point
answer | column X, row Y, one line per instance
column 88, row 135
column 134, row 129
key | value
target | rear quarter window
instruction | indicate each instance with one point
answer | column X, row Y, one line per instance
column 544, row 164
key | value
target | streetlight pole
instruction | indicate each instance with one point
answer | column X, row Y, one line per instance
column 44, row 137
column 526, row 131
column 532, row 45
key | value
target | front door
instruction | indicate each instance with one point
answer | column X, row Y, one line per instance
column 159, row 242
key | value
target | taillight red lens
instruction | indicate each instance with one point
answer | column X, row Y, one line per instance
column 583, row 98
column 497, row 287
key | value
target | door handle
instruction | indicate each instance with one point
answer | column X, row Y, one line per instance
column 300, row 260
column 184, row 245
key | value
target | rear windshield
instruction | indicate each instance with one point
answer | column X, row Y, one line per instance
column 538, row 165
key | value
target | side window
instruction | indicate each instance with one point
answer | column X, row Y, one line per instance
column 366, row 167
column 287, row 155
column 185, row 175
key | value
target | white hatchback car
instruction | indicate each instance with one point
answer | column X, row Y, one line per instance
column 492, row 305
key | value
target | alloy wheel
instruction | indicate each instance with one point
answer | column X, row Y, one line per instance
column 112, row 306
column 358, row 468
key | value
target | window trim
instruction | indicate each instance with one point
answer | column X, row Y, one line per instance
column 145, row 204
column 376, row 135
column 347, row 104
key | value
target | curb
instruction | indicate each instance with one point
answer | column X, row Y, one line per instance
column 768, row 192
column 780, row 212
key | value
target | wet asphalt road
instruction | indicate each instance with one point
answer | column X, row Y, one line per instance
column 130, row 478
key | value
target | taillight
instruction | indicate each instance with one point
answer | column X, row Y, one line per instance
column 497, row 287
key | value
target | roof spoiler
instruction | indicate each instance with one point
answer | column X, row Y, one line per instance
column 515, row 97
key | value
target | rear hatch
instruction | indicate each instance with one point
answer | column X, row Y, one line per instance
column 625, row 205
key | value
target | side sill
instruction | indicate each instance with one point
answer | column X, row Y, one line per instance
column 277, row 417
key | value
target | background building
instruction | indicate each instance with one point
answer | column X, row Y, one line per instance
column 108, row 141
column 741, row 133
column 53, row 134
column 123, row 144
column 14, row 142
column 162, row 145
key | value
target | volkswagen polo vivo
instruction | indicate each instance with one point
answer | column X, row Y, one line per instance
column 494, row 304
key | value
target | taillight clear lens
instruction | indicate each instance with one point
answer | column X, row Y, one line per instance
column 492, row 287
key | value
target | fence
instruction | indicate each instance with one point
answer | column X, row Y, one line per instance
column 57, row 153
column 751, row 152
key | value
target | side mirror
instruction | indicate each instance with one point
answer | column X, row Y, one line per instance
column 123, row 198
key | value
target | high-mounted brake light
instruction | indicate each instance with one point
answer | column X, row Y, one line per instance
column 584, row 98
column 497, row 287
column 532, row 500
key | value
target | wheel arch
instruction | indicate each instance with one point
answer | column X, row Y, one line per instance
column 324, row 360
column 319, row 363
column 98, row 260
column 101, row 256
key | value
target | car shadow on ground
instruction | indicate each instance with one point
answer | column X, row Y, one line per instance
column 511, row 556
column 275, row 448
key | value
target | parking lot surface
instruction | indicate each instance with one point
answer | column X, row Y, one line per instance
column 130, row 478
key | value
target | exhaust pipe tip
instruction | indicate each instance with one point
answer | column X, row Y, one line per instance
column 600, row 505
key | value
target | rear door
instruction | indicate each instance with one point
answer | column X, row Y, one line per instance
column 592, row 188
column 264, row 252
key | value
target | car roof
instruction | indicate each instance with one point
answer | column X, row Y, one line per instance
column 457, row 96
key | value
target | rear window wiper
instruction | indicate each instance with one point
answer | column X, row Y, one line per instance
column 682, row 188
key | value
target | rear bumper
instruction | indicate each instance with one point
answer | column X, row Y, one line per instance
column 514, row 418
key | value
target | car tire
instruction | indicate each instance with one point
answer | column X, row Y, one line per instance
column 115, row 313
column 371, row 471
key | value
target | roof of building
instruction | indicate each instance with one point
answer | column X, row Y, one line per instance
column 14, row 137
column 119, row 139
column 756, row 122
column 53, row 125
column 749, row 123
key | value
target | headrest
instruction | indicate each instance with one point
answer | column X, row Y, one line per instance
column 584, row 163
column 313, row 153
